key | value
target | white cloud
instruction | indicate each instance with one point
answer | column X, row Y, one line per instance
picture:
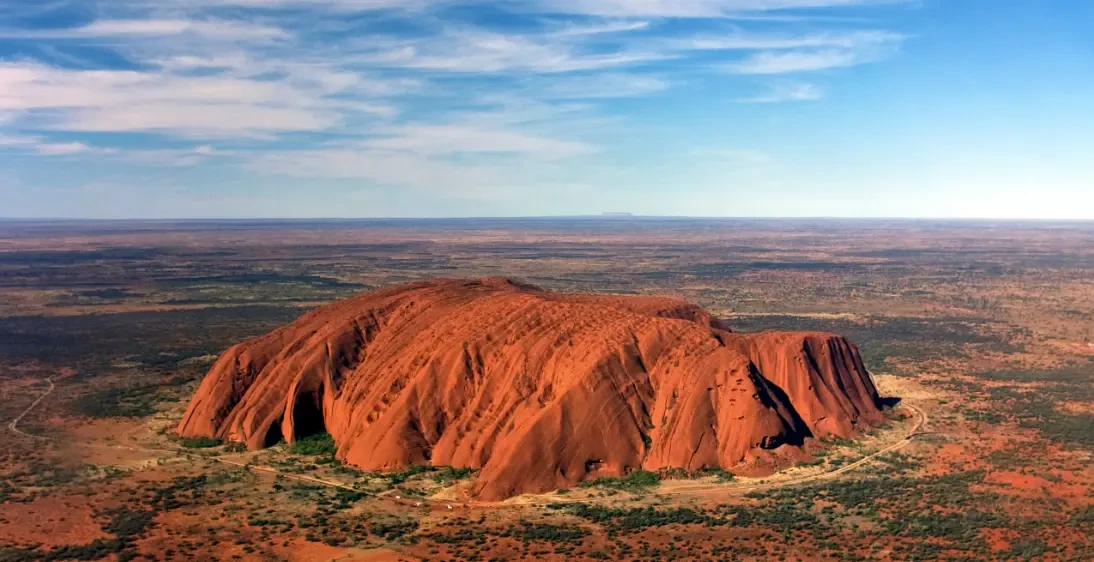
column 580, row 48
column 62, row 148
column 213, row 28
column 17, row 140
column 34, row 86
column 337, row 5
column 746, row 41
column 220, row 61
column 790, row 54
column 175, row 157
column 191, row 105
column 788, row 92
column 40, row 145
column 158, row 29
column 478, row 51
column 384, row 168
column 686, row 8
column 618, row 26
column 478, row 155
column 602, row 86
column 319, row 74
column 199, row 120
column 799, row 61
column 463, row 138
column 608, row 8
column 486, row 106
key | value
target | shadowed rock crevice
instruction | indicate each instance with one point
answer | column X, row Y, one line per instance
column 273, row 436
column 538, row 390
column 307, row 416
column 775, row 395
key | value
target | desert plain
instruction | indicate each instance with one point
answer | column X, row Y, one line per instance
column 979, row 334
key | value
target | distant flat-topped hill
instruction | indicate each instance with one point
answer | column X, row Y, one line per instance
column 539, row 390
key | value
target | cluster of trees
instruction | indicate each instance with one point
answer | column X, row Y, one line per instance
column 320, row 444
column 200, row 442
column 637, row 481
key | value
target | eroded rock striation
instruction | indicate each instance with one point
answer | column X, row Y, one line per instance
column 539, row 390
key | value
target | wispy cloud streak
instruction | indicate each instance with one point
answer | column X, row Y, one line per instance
column 402, row 92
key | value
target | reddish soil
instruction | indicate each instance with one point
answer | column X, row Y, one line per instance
column 50, row 521
column 304, row 551
column 998, row 539
column 1018, row 480
column 538, row 390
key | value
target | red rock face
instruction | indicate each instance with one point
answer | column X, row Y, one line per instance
column 538, row 390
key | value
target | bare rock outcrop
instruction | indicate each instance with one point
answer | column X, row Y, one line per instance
column 539, row 390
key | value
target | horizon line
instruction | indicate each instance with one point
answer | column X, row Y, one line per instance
column 617, row 217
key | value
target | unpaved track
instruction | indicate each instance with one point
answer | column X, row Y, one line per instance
column 698, row 488
column 912, row 433
column 14, row 425
column 274, row 471
column 690, row 489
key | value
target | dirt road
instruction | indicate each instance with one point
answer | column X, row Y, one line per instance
column 697, row 488
column 684, row 489
column 14, row 425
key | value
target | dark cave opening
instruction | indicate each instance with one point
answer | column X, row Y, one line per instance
column 307, row 416
column 273, row 435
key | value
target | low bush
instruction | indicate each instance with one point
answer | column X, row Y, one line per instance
column 320, row 444
column 636, row 481
column 200, row 442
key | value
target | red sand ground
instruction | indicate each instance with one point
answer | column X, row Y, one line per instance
column 50, row 521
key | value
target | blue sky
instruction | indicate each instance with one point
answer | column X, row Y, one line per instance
column 424, row 108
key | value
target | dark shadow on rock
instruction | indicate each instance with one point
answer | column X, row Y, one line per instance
column 890, row 401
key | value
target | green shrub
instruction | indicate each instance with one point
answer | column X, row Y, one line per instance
column 447, row 474
column 125, row 523
column 396, row 478
column 200, row 442
column 636, row 481
column 720, row 474
column 135, row 402
column 235, row 447
column 320, row 444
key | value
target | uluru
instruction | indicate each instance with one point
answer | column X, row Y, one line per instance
column 537, row 390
